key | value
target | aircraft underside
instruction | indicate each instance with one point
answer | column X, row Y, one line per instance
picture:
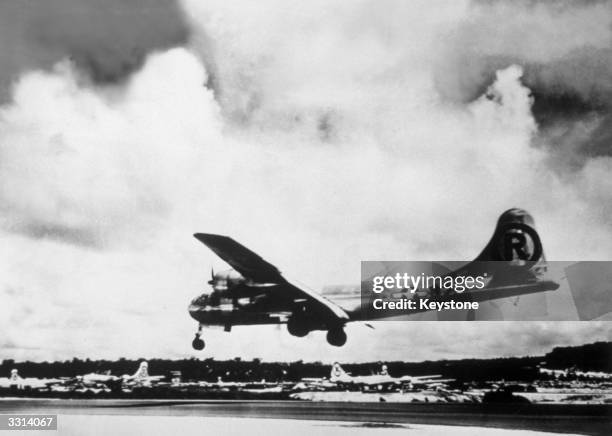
column 228, row 315
column 254, row 292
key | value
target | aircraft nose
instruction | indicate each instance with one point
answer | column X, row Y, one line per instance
column 199, row 301
column 197, row 304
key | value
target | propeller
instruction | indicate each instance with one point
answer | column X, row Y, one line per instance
column 212, row 276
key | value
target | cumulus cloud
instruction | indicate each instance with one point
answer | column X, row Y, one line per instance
column 375, row 74
column 565, row 49
column 316, row 134
column 107, row 39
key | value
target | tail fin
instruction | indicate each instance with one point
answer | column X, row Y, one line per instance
column 515, row 240
column 142, row 371
column 15, row 375
column 337, row 373
column 515, row 246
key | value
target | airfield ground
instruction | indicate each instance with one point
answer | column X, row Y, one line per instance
column 312, row 418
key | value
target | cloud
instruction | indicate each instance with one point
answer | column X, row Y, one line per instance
column 565, row 50
column 106, row 39
column 314, row 134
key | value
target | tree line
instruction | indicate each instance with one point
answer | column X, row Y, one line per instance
column 590, row 357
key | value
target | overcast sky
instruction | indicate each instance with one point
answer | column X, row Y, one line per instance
column 319, row 134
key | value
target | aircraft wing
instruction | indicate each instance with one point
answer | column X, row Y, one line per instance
column 422, row 377
column 433, row 381
column 249, row 264
column 425, row 380
column 253, row 267
column 99, row 378
column 155, row 377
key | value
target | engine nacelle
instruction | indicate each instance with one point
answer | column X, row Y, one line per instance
column 223, row 282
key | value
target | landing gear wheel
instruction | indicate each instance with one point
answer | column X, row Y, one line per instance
column 336, row 337
column 198, row 344
column 297, row 327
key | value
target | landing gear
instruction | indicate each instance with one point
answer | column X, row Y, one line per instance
column 336, row 336
column 297, row 327
column 197, row 343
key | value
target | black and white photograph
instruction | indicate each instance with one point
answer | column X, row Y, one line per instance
column 333, row 217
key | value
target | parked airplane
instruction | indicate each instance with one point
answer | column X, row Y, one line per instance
column 574, row 373
column 141, row 376
column 221, row 384
column 93, row 381
column 383, row 380
column 315, row 384
column 16, row 381
column 97, row 382
column 255, row 292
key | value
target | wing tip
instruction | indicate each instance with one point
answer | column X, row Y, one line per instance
column 207, row 236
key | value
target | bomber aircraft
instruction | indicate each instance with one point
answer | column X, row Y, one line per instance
column 18, row 382
column 383, row 380
column 255, row 292
column 141, row 376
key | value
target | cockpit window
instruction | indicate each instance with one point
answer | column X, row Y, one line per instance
column 201, row 300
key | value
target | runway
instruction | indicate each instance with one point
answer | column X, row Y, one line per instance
column 555, row 418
